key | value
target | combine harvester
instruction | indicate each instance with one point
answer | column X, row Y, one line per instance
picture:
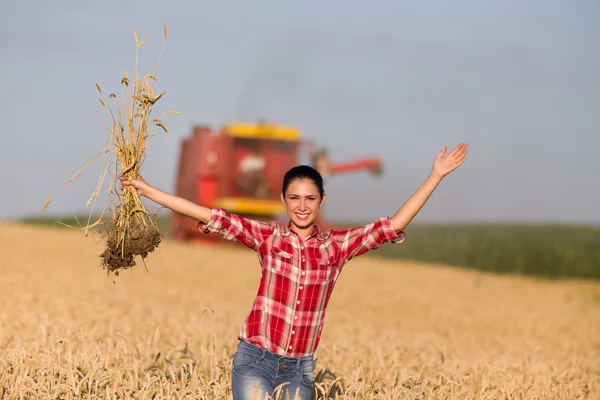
column 240, row 168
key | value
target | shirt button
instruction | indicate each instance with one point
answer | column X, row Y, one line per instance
column 290, row 347
column 305, row 260
column 293, row 332
column 302, row 248
column 303, row 273
column 298, row 302
column 295, row 317
column 301, row 287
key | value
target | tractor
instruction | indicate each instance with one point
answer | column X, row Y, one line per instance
column 240, row 168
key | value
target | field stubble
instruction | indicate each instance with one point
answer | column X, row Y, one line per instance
column 395, row 330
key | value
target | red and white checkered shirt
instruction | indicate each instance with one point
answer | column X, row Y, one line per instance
column 297, row 276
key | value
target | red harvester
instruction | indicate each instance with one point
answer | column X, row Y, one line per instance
column 240, row 168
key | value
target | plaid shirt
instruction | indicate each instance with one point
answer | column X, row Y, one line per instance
column 297, row 276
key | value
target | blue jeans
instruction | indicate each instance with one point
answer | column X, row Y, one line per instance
column 257, row 372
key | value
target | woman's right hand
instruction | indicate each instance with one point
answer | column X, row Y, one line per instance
column 139, row 184
column 174, row 203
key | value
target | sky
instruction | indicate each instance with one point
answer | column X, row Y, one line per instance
column 517, row 80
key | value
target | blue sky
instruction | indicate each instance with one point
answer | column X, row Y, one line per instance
column 517, row 80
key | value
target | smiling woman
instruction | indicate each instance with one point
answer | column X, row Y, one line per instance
column 303, row 195
column 300, row 266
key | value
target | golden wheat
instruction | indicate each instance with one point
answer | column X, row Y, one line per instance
column 131, row 229
column 394, row 330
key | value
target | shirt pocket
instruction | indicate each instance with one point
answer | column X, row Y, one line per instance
column 279, row 260
column 322, row 272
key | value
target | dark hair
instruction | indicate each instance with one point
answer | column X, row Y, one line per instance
column 303, row 172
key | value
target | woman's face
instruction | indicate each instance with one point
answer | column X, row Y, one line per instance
column 302, row 201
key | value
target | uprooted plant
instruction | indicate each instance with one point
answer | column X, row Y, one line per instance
column 130, row 230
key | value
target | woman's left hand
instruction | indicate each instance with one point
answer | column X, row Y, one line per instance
column 443, row 165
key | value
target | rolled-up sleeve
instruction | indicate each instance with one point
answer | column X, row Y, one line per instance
column 356, row 241
column 248, row 232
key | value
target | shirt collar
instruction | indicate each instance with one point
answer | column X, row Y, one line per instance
column 286, row 230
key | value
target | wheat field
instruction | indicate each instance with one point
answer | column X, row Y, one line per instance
column 394, row 330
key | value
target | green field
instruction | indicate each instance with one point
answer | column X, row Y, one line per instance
column 549, row 251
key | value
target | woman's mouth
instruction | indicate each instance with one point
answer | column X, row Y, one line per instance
column 302, row 217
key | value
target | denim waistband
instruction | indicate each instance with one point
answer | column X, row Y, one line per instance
column 268, row 357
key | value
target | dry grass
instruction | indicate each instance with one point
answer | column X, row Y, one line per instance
column 394, row 330
column 130, row 230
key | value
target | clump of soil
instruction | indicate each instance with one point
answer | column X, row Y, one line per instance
column 123, row 245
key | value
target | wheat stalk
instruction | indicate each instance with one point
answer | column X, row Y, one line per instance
column 129, row 137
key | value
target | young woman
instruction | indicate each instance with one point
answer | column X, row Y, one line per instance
column 300, row 265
